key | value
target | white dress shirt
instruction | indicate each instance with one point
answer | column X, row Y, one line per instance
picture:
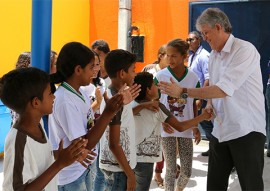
column 236, row 71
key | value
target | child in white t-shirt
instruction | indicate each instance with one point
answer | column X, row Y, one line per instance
column 148, row 129
column 96, row 90
column 72, row 116
column 183, row 109
column 117, row 146
column 29, row 163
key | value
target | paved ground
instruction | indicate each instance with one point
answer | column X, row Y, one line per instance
column 199, row 173
column 198, row 178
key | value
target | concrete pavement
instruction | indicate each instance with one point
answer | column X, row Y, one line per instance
column 198, row 178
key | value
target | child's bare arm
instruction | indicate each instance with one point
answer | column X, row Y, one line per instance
column 150, row 105
column 115, row 147
column 96, row 104
column 197, row 135
column 167, row 128
column 65, row 157
column 195, row 109
column 196, row 131
column 184, row 125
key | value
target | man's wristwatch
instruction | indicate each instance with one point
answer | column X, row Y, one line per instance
column 184, row 94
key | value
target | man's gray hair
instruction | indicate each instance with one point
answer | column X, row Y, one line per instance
column 212, row 16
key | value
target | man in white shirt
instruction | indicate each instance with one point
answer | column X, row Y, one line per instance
column 236, row 95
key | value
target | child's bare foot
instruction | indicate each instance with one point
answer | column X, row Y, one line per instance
column 159, row 180
column 178, row 189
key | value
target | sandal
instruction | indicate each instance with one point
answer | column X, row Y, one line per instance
column 159, row 183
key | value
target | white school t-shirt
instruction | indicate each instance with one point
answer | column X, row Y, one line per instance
column 107, row 160
column 181, row 111
column 148, row 129
column 26, row 158
column 71, row 117
column 152, row 69
column 91, row 88
column 90, row 91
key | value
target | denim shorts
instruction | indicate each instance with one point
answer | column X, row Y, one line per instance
column 83, row 183
column 144, row 174
column 115, row 181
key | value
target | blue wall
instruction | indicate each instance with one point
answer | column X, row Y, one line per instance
column 5, row 122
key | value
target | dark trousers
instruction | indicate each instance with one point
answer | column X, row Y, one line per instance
column 267, row 97
column 246, row 154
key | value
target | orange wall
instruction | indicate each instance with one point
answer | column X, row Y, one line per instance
column 104, row 21
column 159, row 21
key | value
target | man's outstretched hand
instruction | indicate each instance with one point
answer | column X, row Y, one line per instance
column 170, row 88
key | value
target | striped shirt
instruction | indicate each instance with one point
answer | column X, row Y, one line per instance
column 26, row 158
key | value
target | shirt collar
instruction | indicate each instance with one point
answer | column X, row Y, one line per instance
column 199, row 50
column 72, row 90
column 228, row 46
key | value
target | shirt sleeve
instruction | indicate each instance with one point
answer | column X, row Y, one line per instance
column 17, row 165
column 204, row 60
column 117, row 118
column 243, row 64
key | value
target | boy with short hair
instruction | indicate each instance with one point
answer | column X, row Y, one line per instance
column 148, row 131
column 29, row 163
column 117, row 145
